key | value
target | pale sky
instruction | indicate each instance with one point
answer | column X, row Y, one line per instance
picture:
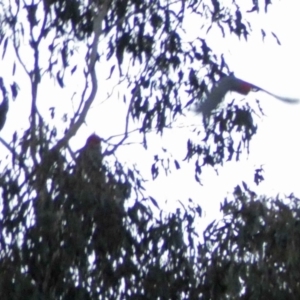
column 276, row 145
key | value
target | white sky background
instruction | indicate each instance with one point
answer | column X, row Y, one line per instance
column 276, row 145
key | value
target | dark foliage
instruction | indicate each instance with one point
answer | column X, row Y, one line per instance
column 253, row 251
column 81, row 227
column 67, row 237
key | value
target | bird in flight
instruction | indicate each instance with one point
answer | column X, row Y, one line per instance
column 232, row 84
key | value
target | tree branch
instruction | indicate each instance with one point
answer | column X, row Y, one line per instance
column 100, row 13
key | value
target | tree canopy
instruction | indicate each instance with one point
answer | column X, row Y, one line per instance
column 79, row 224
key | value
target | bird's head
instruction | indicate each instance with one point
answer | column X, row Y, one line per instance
column 93, row 141
column 243, row 87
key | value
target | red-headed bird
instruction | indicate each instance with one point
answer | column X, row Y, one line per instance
column 232, row 84
column 89, row 161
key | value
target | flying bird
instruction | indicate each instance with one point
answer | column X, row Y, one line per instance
column 232, row 84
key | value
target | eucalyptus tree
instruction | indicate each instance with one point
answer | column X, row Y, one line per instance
column 79, row 224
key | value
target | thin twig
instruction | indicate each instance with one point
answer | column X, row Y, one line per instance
column 126, row 133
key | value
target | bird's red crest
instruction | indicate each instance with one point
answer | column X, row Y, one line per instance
column 93, row 139
column 245, row 88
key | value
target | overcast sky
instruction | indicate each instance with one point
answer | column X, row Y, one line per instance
column 276, row 144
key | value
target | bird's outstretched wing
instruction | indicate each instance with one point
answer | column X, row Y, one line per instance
column 233, row 84
column 284, row 99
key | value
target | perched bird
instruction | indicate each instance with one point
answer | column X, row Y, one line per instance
column 231, row 84
column 89, row 161
column 91, row 170
column 3, row 112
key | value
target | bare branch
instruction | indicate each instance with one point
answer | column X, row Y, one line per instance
column 15, row 155
column 100, row 13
